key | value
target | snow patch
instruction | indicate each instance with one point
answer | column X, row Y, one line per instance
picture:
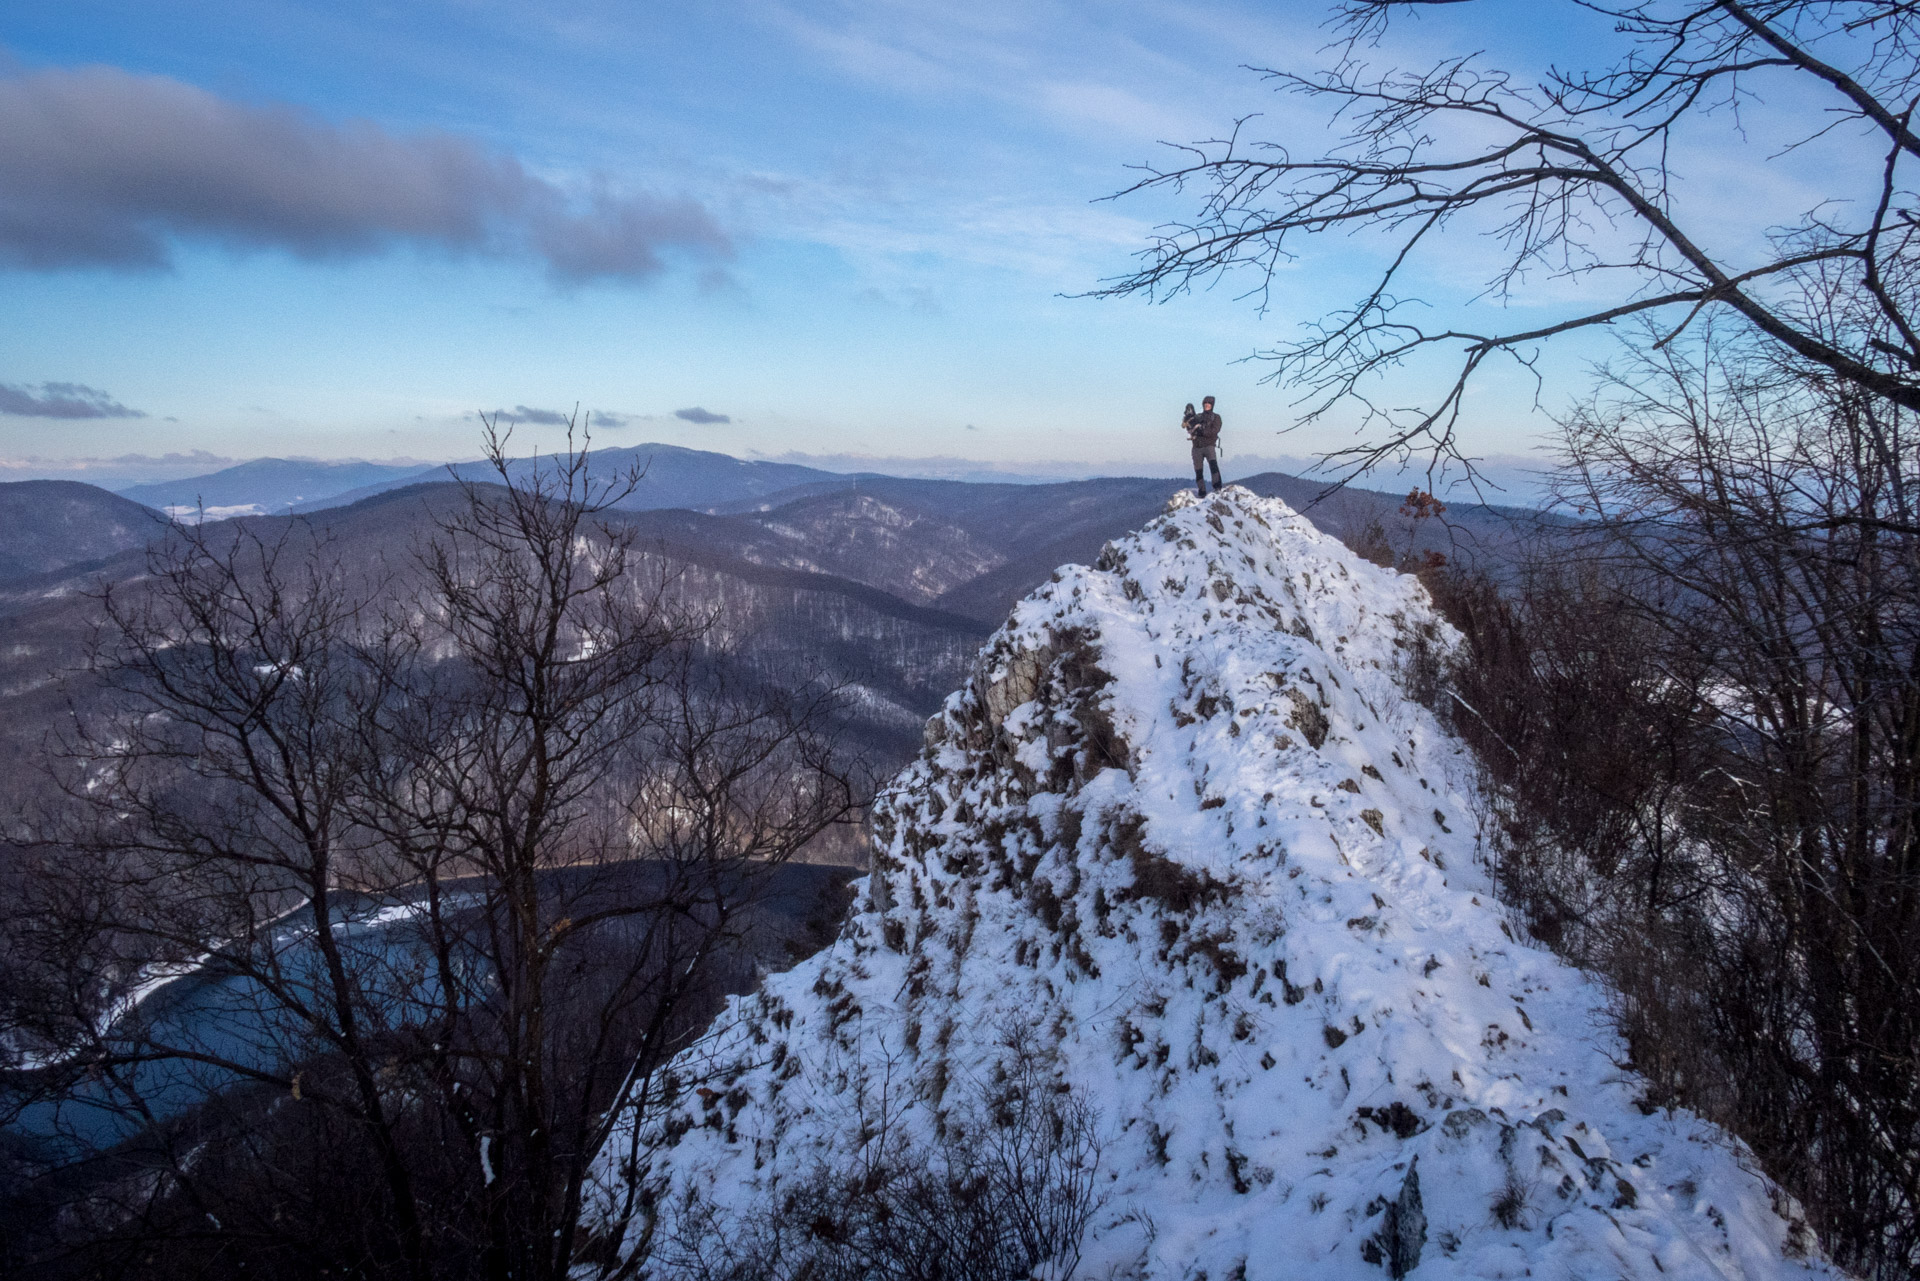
column 196, row 515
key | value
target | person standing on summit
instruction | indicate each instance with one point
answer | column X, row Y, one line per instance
column 1203, row 429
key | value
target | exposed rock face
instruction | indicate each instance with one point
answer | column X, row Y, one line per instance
column 1185, row 844
column 1403, row 1229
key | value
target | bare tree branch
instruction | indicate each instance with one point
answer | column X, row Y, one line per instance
column 1553, row 173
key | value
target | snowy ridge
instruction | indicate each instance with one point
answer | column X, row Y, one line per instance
column 1186, row 839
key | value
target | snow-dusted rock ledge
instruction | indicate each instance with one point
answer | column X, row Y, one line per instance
column 1186, row 839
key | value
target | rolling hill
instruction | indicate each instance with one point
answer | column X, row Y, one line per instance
column 51, row 525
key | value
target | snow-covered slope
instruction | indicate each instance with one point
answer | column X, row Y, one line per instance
column 1187, row 842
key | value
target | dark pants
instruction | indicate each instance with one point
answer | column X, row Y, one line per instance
column 1211, row 454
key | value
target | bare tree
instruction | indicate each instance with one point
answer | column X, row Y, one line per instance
column 467, row 846
column 1572, row 177
column 1705, row 719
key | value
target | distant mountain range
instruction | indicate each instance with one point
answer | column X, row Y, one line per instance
column 887, row 583
column 268, row 485
column 897, row 658
column 669, row 476
column 970, row 548
column 989, row 538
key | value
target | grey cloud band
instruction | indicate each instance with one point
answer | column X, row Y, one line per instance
column 62, row 400
column 103, row 168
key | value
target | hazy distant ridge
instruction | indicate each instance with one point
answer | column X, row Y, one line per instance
column 273, row 484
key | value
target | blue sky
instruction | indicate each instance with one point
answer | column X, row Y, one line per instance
column 852, row 229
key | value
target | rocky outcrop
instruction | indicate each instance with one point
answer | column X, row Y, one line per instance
column 1184, row 849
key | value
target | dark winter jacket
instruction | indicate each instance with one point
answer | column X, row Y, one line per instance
column 1205, row 427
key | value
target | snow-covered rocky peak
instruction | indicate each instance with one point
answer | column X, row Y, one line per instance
column 1187, row 842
